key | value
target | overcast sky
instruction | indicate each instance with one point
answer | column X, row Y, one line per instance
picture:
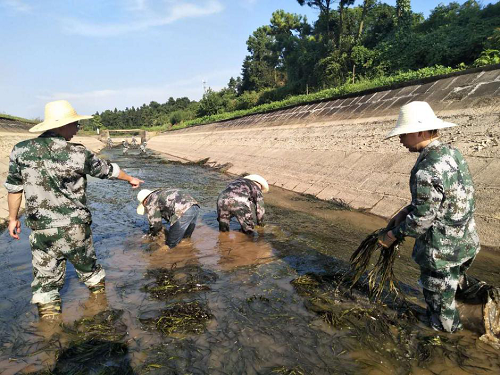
column 102, row 54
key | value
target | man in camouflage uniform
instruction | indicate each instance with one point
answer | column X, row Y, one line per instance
column 177, row 207
column 242, row 198
column 440, row 216
column 110, row 142
column 52, row 173
column 125, row 146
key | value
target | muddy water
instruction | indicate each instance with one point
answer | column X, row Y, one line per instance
column 273, row 300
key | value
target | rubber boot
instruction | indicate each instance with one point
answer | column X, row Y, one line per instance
column 98, row 288
column 51, row 310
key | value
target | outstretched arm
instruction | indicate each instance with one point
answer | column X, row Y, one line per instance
column 135, row 182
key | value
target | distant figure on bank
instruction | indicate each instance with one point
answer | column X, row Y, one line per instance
column 134, row 141
column 440, row 216
column 110, row 142
column 242, row 199
column 177, row 207
column 52, row 172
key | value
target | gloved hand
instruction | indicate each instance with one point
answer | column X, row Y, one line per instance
column 398, row 218
column 386, row 239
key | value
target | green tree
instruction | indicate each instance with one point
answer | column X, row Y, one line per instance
column 403, row 12
column 211, row 103
column 259, row 67
column 324, row 7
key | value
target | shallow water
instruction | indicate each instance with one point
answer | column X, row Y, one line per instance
column 260, row 322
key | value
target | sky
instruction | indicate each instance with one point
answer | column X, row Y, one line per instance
column 106, row 54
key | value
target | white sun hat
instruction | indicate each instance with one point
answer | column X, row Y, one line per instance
column 57, row 114
column 415, row 117
column 143, row 194
column 260, row 180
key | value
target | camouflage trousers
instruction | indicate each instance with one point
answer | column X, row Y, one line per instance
column 50, row 248
column 242, row 211
column 440, row 289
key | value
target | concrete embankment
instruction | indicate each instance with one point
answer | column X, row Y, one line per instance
column 12, row 132
column 336, row 149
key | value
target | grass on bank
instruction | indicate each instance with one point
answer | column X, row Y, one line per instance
column 327, row 94
column 15, row 118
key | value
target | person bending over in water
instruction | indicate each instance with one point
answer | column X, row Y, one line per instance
column 241, row 199
column 177, row 207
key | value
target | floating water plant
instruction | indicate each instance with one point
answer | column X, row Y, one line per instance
column 172, row 282
column 288, row 371
column 181, row 317
column 105, row 326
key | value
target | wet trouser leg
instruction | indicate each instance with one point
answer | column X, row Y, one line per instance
column 183, row 227
column 226, row 209
column 470, row 289
column 244, row 215
column 440, row 289
column 50, row 250
column 223, row 217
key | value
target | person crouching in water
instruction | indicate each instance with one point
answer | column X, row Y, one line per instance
column 241, row 199
column 177, row 207
column 440, row 216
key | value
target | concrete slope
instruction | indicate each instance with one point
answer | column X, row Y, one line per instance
column 336, row 149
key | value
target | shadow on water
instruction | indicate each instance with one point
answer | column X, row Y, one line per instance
column 224, row 303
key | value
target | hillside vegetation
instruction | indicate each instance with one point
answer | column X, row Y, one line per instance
column 346, row 50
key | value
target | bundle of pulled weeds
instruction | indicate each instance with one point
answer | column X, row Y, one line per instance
column 382, row 273
column 174, row 281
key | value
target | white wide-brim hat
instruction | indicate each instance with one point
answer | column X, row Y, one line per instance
column 415, row 117
column 260, row 180
column 143, row 194
column 57, row 114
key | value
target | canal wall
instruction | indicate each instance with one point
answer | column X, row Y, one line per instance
column 12, row 132
column 336, row 150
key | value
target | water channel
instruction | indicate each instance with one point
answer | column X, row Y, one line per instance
column 234, row 304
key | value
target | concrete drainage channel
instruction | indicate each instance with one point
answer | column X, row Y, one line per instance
column 226, row 302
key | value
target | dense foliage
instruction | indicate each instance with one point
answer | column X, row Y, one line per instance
column 347, row 49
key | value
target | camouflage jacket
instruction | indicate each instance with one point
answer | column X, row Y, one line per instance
column 168, row 204
column 52, row 172
column 442, row 209
column 243, row 192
